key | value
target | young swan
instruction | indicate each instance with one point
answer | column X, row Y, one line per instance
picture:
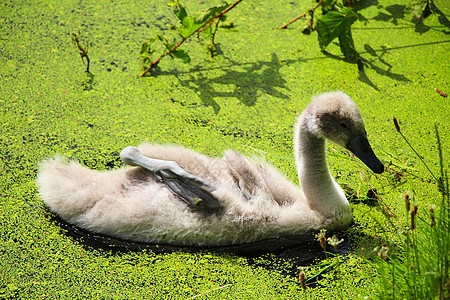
column 205, row 201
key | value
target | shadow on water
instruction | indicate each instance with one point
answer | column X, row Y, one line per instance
column 244, row 81
column 393, row 14
column 88, row 83
column 247, row 81
column 284, row 254
column 371, row 64
column 377, row 57
column 397, row 12
column 442, row 17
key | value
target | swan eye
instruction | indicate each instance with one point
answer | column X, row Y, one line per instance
column 343, row 125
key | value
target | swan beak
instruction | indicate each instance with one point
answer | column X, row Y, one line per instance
column 359, row 145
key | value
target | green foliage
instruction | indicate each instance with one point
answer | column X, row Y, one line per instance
column 417, row 267
column 181, row 54
column 334, row 24
column 332, row 19
column 146, row 51
column 201, row 23
column 192, row 24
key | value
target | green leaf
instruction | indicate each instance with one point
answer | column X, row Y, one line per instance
column 180, row 12
column 146, row 51
column 348, row 46
column 181, row 54
column 189, row 27
column 191, row 24
column 328, row 5
column 144, row 48
column 334, row 24
column 207, row 14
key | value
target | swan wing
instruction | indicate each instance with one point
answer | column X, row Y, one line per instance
column 193, row 194
column 192, row 189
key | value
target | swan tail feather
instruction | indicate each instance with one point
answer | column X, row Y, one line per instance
column 66, row 187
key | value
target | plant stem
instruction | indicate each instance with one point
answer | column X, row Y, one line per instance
column 177, row 45
column 386, row 209
column 203, row 27
column 322, row 271
column 221, row 14
column 83, row 52
column 420, row 157
column 301, row 16
column 441, row 160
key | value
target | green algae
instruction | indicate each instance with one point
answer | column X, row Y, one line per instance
column 246, row 99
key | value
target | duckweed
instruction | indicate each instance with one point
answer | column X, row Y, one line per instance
column 247, row 98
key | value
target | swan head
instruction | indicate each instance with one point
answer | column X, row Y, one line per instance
column 336, row 117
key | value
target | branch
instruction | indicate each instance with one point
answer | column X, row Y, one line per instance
column 301, row 16
column 203, row 27
column 177, row 45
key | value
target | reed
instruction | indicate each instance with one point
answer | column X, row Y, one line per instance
column 417, row 267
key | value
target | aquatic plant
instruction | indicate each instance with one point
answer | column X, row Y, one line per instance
column 83, row 50
column 334, row 241
column 205, row 22
column 416, row 265
column 332, row 19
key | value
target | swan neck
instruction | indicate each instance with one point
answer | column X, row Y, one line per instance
column 311, row 156
column 321, row 191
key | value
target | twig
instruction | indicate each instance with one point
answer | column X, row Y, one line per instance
column 301, row 16
column 215, row 30
column 83, row 52
column 217, row 288
column 387, row 210
column 177, row 45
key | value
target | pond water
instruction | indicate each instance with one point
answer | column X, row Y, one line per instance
column 246, row 98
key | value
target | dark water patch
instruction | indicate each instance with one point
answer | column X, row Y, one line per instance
column 140, row 23
column 113, row 162
column 241, row 133
column 284, row 255
column 91, row 240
